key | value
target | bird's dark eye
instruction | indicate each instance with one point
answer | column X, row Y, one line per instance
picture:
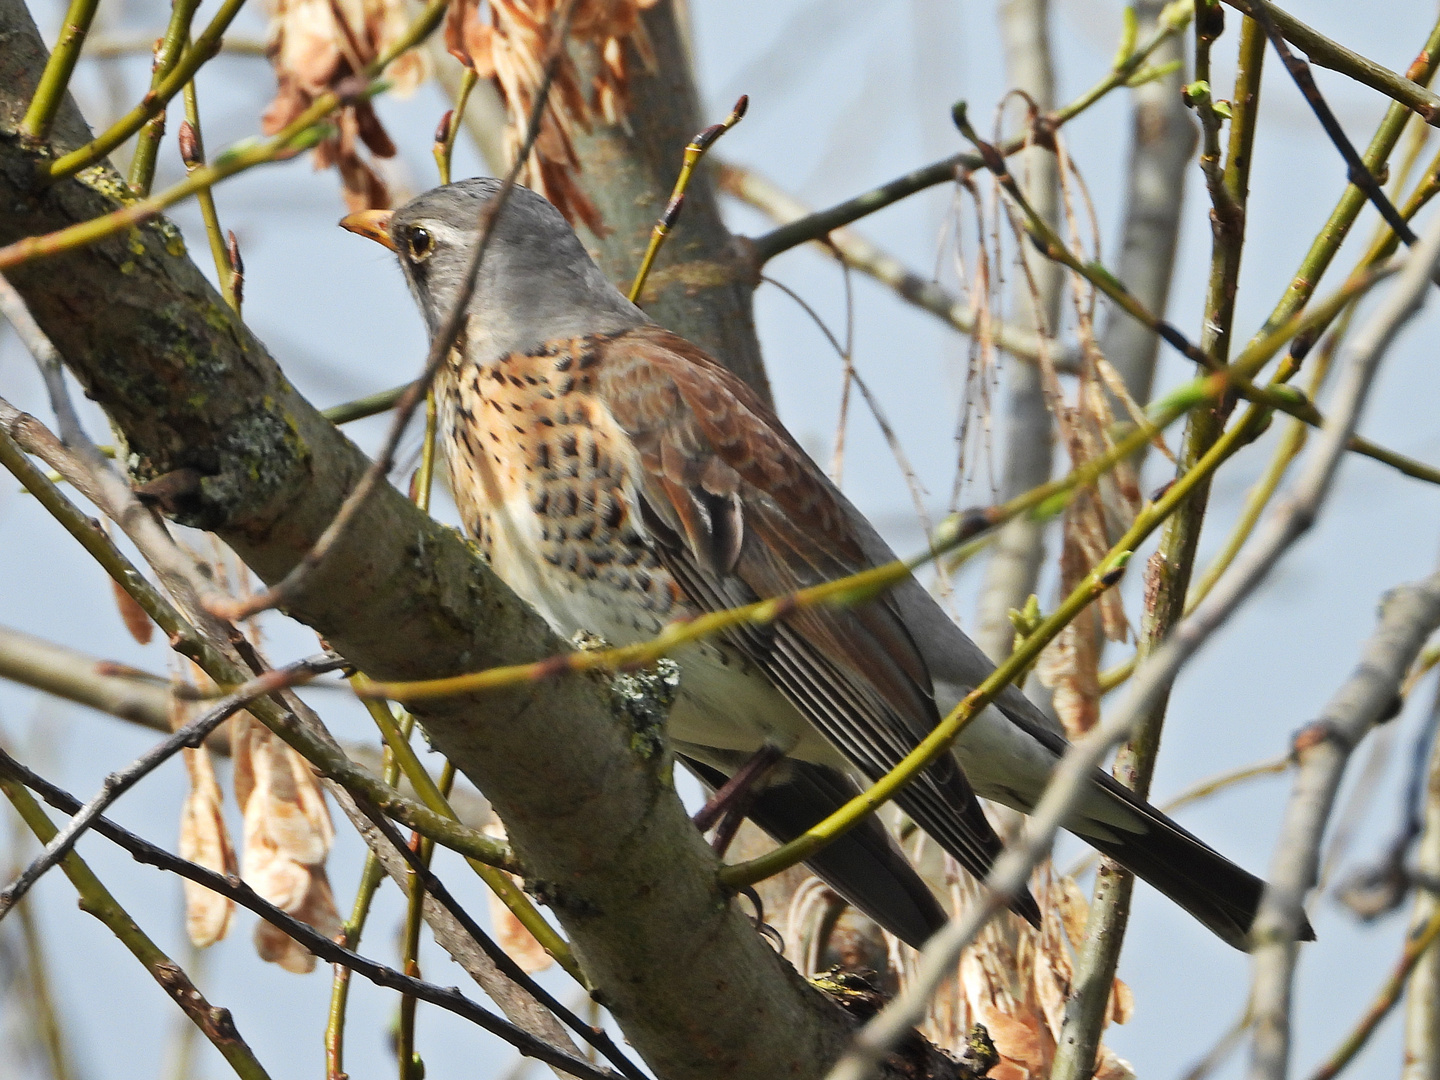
column 421, row 243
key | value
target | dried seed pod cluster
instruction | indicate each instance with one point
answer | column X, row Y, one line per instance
column 314, row 46
column 510, row 43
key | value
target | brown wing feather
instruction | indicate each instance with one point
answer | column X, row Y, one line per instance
column 738, row 512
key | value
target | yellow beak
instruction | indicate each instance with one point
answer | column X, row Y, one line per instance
column 374, row 224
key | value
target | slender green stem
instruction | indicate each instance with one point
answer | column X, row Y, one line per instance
column 194, row 158
column 412, row 1067
column 41, row 1003
column 425, row 475
column 360, row 408
column 95, row 899
column 55, row 79
column 694, row 151
column 500, row 883
column 1129, row 65
column 1327, row 242
column 1322, row 51
column 445, row 146
column 116, row 46
column 1415, row 947
column 1168, row 573
column 154, row 102
column 370, row 878
column 172, row 46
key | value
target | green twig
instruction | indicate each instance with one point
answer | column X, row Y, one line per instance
column 1415, row 947
column 95, row 899
column 154, row 102
column 412, row 1067
column 498, row 881
column 425, row 475
column 448, row 998
column 1322, row 51
column 192, row 153
column 39, row 995
column 167, row 55
column 360, row 408
column 450, row 125
column 370, row 878
column 694, row 151
column 1169, row 571
column 55, row 79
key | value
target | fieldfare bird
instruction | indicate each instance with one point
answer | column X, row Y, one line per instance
column 617, row 478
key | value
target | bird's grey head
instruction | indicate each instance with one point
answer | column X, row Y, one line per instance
column 536, row 283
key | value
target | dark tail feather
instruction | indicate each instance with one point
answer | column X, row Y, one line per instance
column 1194, row 875
column 865, row 866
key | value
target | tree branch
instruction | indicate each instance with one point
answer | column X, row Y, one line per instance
column 1409, row 615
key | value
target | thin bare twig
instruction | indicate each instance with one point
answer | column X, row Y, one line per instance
column 1409, row 615
column 433, row 886
column 191, row 735
column 1358, row 174
column 449, row 998
column 1297, row 852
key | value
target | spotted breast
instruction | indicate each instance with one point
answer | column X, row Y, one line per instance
column 545, row 480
